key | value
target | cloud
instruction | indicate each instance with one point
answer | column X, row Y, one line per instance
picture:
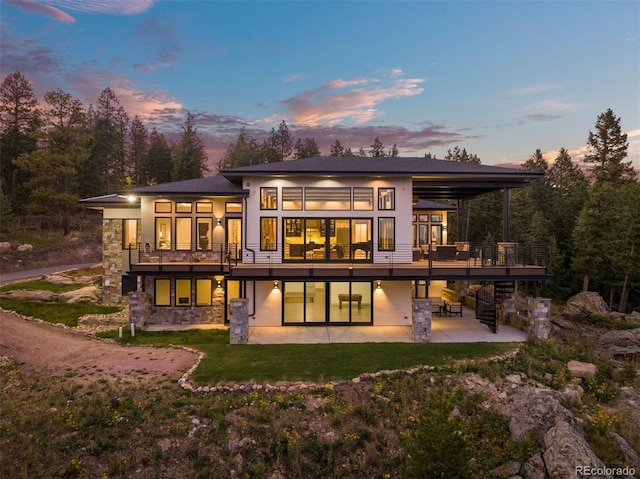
column 534, row 89
column 293, row 77
column 353, row 101
column 159, row 35
column 46, row 10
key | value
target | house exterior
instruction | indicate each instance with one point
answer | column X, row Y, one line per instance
column 317, row 241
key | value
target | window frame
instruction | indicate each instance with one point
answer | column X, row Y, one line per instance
column 158, row 209
column 383, row 202
column 167, row 233
column 126, row 232
column 209, row 301
column 179, row 302
column 383, row 242
column 183, row 246
column 369, row 195
column 155, row 292
column 263, row 245
column 268, row 194
column 286, row 202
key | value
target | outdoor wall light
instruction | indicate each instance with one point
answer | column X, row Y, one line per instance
column 218, row 223
column 131, row 199
column 379, row 286
column 275, row 285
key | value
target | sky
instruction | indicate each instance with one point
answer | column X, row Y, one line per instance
column 498, row 78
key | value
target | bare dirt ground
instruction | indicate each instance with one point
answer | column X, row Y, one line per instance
column 68, row 353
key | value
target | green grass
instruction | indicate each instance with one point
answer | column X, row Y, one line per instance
column 305, row 362
column 42, row 285
column 63, row 313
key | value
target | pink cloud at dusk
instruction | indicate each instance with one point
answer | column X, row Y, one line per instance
column 351, row 101
column 37, row 8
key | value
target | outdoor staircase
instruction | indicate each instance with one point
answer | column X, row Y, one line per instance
column 487, row 299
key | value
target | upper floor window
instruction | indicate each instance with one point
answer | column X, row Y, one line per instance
column 362, row 198
column 232, row 207
column 386, row 198
column 163, row 233
column 184, row 207
column 183, row 234
column 332, row 199
column 269, row 198
column 291, row 198
column 386, row 234
column 204, row 207
column 163, row 206
column 268, row 238
column 129, row 234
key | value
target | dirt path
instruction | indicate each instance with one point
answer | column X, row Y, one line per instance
column 65, row 352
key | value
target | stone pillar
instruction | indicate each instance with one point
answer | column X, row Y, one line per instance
column 421, row 320
column 539, row 312
column 239, row 323
column 112, row 261
column 139, row 308
column 507, row 307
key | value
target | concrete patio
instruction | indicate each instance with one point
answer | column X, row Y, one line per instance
column 445, row 329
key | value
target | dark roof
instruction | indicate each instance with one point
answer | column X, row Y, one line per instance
column 358, row 166
column 432, row 178
column 432, row 205
column 210, row 186
column 110, row 200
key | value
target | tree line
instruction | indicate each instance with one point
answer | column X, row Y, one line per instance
column 58, row 152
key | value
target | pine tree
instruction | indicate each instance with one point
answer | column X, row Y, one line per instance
column 337, row 149
column 377, row 148
column 244, row 152
column 158, row 162
column 307, row 148
column 190, row 156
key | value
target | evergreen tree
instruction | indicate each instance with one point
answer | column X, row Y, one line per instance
column 137, row 174
column 393, row 152
column 377, row 148
column 158, row 162
column 307, row 148
column 190, row 156
column 19, row 124
column 244, row 152
column 337, row 149
column 279, row 146
column 607, row 150
column 461, row 155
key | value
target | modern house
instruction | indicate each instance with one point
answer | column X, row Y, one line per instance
column 317, row 241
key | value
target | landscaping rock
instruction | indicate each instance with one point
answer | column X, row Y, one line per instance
column 30, row 295
column 583, row 305
column 622, row 344
column 59, row 278
column 506, row 471
column 582, row 370
column 88, row 294
column 567, row 449
column 543, row 412
column 5, row 246
column 24, row 247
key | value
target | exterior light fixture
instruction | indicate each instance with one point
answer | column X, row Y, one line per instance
column 131, row 199
column 218, row 222
column 379, row 286
column 275, row 285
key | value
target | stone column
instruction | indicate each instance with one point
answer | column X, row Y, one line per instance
column 539, row 312
column 239, row 323
column 508, row 307
column 112, row 261
column 139, row 308
column 421, row 320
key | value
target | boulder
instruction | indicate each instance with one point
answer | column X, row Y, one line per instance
column 582, row 370
column 534, row 410
column 583, row 305
column 58, row 278
column 88, row 294
column 5, row 246
column 30, row 295
column 566, row 449
column 24, row 247
column 622, row 344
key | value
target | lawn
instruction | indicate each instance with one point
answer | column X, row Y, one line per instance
column 305, row 362
column 56, row 312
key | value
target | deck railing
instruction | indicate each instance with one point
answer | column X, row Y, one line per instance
column 461, row 254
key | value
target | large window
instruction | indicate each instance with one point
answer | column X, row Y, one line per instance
column 203, row 229
column 324, row 302
column 386, row 234
column 268, row 237
column 291, row 198
column 203, row 292
column 183, row 234
column 129, row 234
column 163, row 233
column 162, row 292
column 330, row 199
column 386, row 198
column 362, row 199
column 268, row 198
column 183, row 292
column 327, row 239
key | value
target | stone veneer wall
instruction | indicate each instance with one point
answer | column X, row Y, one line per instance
column 539, row 312
column 239, row 322
column 139, row 308
column 421, row 320
column 176, row 314
column 112, row 261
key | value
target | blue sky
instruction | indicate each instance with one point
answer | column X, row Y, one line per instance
column 500, row 79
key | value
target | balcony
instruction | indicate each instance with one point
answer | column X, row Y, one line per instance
column 463, row 261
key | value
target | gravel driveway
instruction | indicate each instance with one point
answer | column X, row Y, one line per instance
column 64, row 352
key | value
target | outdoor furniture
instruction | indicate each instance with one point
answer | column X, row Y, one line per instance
column 453, row 308
column 436, row 305
column 417, row 254
column 349, row 298
column 446, row 253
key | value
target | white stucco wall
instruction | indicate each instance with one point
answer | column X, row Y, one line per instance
column 392, row 303
column 268, row 301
